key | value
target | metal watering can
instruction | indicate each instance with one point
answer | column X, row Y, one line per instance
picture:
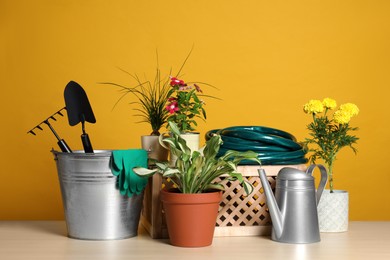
column 293, row 209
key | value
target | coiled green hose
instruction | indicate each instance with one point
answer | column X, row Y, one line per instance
column 273, row 146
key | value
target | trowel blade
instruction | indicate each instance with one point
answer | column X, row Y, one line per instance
column 77, row 104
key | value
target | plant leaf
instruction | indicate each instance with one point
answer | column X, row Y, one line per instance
column 144, row 171
column 170, row 172
column 215, row 186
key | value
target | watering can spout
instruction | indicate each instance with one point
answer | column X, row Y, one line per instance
column 276, row 215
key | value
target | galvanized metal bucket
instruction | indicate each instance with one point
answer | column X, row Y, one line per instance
column 94, row 208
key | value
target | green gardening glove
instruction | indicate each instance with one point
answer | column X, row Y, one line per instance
column 122, row 164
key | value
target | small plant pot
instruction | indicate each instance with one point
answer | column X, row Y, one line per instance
column 333, row 211
column 192, row 140
column 191, row 218
column 155, row 150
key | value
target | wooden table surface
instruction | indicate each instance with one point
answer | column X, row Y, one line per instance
column 47, row 240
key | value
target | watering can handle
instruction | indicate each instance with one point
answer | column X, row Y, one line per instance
column 324, row 178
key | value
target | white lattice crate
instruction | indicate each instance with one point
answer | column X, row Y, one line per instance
column 239, row 215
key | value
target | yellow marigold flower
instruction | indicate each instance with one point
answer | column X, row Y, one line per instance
column 342, row 116
column 329, row 103
column 350, row 108
column 314, row 106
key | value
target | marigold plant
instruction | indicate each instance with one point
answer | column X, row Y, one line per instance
column 329, row 133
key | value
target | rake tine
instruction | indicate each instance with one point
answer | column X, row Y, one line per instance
column 47, row 120
column 61, row 143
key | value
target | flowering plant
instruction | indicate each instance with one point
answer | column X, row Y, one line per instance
column 184, row 104
column 197, row 172
column 330, row 134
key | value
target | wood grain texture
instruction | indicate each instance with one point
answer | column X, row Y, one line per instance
column 47, row 240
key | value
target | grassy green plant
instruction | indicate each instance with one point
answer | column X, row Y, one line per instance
column 151, row 99
column 195, row 172
column 155, row 100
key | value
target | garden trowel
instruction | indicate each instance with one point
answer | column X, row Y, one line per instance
column 79, row 110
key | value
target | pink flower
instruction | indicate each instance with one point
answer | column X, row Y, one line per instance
column 172, row 107
column 184, row 87
column 172, row 99
column 176, row 81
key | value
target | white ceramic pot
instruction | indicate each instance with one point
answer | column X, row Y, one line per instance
column 192, row 141
column 333, row 211
column 155, row 150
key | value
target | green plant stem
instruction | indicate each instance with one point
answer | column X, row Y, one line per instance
column 330, row 175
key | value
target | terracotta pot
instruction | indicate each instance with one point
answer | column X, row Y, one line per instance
column 155, row 150
column 191, row 218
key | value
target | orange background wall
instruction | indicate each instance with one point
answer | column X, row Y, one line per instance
column 266, row 57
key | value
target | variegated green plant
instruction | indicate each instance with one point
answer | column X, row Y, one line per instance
column 195, row 171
